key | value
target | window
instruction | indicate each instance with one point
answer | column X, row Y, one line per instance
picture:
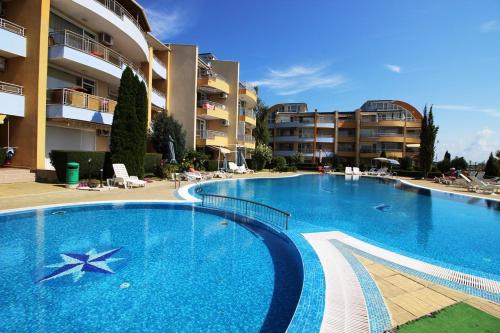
column 201, row 126
column 87, row 84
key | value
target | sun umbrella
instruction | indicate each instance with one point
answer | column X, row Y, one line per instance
column 171, row 149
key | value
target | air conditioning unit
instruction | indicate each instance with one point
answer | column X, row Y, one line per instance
column 105, row 39
column 223, row 95
column 102, row 132
column 226, row 123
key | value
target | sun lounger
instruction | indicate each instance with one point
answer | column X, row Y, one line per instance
column 244, row 169
column 381, row 172
column 234, row 168
column 356, row 172
column 122, row 177
column 348, row 171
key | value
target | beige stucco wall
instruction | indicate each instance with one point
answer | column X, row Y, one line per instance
column 28, row 133
column 231, row 72
column 182, row 76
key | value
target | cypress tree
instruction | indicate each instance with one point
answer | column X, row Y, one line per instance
column 140, row 130
column 492, row 169
column 428, row 135
column 121, row 141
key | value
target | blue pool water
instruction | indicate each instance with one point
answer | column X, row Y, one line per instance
column 428, row 225
column 175, row 269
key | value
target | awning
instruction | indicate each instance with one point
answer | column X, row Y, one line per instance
column 387, row 160
column 413, row 145
column 221, row 149
column 2, row 118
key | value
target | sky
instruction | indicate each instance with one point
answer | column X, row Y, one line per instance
column 334, row 55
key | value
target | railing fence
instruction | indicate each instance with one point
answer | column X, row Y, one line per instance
column 248, row 208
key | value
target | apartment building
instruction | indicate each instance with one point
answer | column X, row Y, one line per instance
column 60, row 67
column 221, row 115
column 378, row 126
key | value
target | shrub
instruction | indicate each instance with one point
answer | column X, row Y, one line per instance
column 406, row 163
column 279, row 163
column 492, row 167
column 165, row 170
column 195, row 159
column 459, row 163
column 297, row 158
column 211, row 165
column 415, row 174
column 100, row 160
column 151, row 163
column 165, row 128
column 60, row 158
column 261, row 156
column 2, row 156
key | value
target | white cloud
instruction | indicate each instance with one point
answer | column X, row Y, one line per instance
column 474, row 147
column 393, row 68
column 494, row 112
column 299, row 78
column 166, row 23
column 489, row 26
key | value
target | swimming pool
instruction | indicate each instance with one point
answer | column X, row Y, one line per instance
column 450, row 231
column 143, row 267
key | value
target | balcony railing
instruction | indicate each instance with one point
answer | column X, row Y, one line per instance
column 379, row 150
column 86, row 45
column 246, row 138
column 247, row 113
column 158, row 60
column 373, row 135
column 12, row 27
column 248, row 86
column 379, row 119
column 209, row 134
column 210, row 105
column 11, row 88
column 159, row 93
column 212, row 76
column 120, row 11
column 79, row 99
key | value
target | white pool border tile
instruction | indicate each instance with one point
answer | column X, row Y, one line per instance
column 467, row 280
column 345, row 308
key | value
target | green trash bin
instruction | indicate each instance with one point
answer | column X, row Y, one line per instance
column 72, row 174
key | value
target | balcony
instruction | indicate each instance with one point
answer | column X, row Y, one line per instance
column 211, row 138
column 247, row 140
column 12, row 40
column 78, row 53
column 71, row 104
column 212, row 83
column 286, row 153
column 212, row 110
column 158, row 98
column 159, row 69
column 346, row 138
column 346, row 123
column 382, row 137
column 393, row 122
column 293, row 138
column 325, row 122
column 110, row 16
column 248, row 116
column 291, row 124
column 325, row 139
column 248, row 94
column 11, row 99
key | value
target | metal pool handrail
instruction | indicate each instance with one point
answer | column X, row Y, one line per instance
column 249, row 208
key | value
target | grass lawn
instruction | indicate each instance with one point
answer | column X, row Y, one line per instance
column 458, row 318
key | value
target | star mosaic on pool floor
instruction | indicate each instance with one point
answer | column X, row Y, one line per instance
column 78, row 264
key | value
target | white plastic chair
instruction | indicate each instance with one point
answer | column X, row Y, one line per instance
column 122, row 177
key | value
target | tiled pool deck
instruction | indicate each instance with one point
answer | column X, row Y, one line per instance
column 392, row 293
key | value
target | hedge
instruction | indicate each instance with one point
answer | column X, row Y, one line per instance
column 416, row 174
column 211, row 165
column 2, row 156
column 100, row 160
column 151, row 163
